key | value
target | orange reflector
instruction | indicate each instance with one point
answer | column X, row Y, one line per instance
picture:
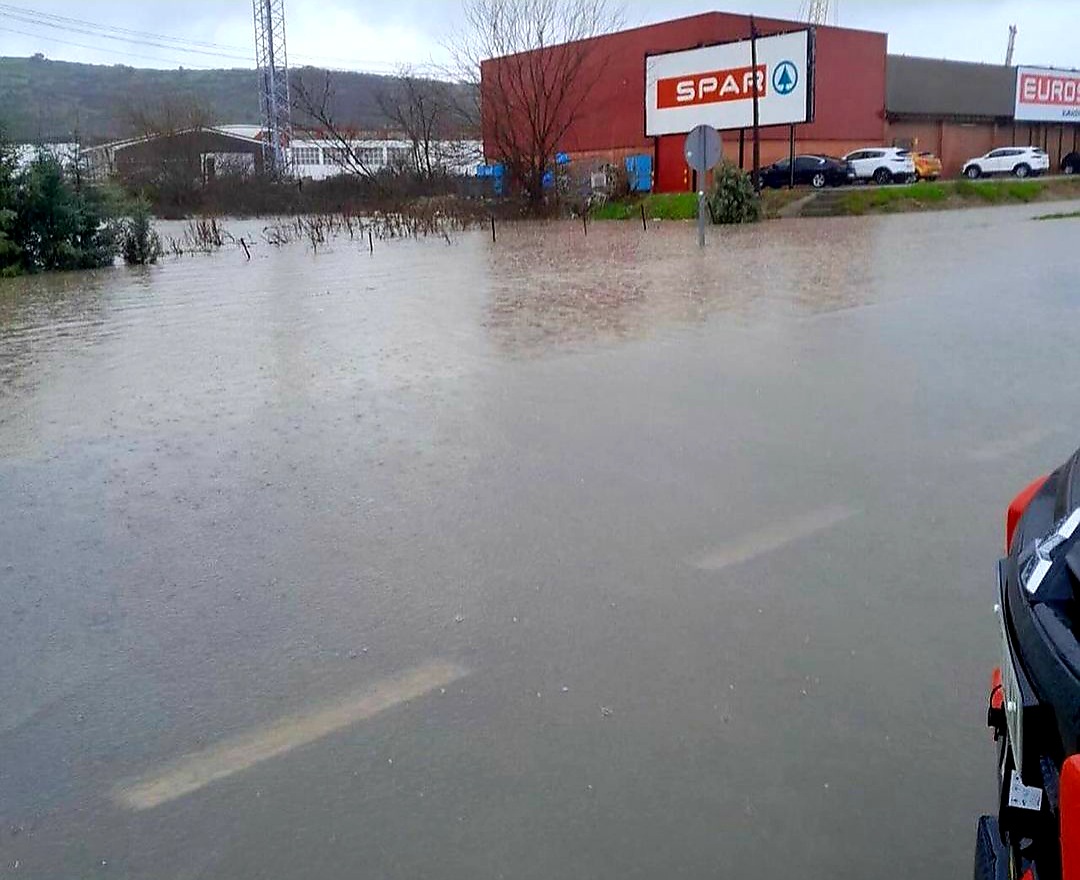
column 997, row 692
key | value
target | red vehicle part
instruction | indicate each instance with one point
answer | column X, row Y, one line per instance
column 1070, row 819
column 1016, row 510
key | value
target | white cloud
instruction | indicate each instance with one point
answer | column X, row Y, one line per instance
column 380, row 36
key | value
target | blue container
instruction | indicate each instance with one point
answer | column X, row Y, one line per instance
column 639, row 170
column 494, row 173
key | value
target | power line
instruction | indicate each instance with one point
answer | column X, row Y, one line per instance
column 80, row 22
column 85, row 31
column 163, row 41
column 113, row 52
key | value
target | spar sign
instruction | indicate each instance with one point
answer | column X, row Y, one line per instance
column 714, row 85
column 1044, row 95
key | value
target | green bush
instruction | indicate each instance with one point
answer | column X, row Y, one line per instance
column 733, row 199
column 56, row 227
column 139, row 242
column 9, row 251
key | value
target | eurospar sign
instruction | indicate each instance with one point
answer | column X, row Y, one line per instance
column 714, row 85
column 1044, row 95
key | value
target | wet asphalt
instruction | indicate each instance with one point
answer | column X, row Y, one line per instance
column 554, row 557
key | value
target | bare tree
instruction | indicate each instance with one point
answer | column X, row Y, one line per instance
column 317, row 118
column 171, row 115
column 531, row 64
column 421, row 109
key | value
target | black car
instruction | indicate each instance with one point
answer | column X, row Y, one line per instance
column 1071, row 163
column 815, row 171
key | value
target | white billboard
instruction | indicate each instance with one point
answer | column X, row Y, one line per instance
column 714, row 85
column 1045, row 95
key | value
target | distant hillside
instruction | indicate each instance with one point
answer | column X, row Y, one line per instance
column 48, row 100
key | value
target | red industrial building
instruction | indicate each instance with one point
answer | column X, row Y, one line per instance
column 958, row 110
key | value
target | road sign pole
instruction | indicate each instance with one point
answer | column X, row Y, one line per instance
column 757, row 106
column 701, row 219
column 703, row 150
column 791, row 158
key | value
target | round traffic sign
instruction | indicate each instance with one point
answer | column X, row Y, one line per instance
column 703, row 148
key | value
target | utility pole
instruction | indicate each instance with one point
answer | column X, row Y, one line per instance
column 757, row 107
column 1012, row 46
column 272, row 60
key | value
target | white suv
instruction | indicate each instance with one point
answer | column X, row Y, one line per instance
column 1021, row 161
column 882, row 164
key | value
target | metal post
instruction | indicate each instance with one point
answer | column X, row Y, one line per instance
column 742, row 148
column 1061, row 142
column 757, row 108
column 791, row 157
column 701, row 193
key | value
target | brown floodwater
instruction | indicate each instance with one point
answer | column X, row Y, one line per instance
column 553, row 557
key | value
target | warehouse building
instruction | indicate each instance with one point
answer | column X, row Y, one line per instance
column 198, row 153
column 958, row 110
column 862, row 97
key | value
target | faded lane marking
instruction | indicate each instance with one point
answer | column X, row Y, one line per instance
column 248, row 749
column 1010, row 446
column 775, row 536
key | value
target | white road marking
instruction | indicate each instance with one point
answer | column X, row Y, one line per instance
column 775, row 536
column 1009, row 446
column 244, row 751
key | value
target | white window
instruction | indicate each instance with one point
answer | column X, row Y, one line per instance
column 306, row 156
column 399, row 156
column 370, row 157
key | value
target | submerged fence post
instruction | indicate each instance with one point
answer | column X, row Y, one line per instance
column 243, row 244
column 370, row 242
column 493, row 228
column 585, row 221
column 644, row 225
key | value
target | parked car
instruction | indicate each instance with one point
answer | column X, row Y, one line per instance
column 1019, row 161
column 815, row 171
column 1071, row 164
column 882, row 164
column 927, row 166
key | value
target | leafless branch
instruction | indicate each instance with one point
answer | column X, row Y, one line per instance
column 532, row 63
column 315, row 106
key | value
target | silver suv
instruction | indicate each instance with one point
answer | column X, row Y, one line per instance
column 883, row 164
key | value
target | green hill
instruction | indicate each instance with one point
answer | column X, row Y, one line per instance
column 43, row 100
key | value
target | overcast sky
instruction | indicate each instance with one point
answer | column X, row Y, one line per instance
column 381, row 35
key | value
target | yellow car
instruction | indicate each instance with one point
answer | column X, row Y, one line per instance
column 927, row 166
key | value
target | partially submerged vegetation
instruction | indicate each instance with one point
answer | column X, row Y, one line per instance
column 955, row 194
column 732, row 200
column 657, row 206
column 856, row 201
column 1066, row 215
column 426, row 218
column 49, row 221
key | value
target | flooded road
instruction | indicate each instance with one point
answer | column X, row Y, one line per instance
column 556, row 557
